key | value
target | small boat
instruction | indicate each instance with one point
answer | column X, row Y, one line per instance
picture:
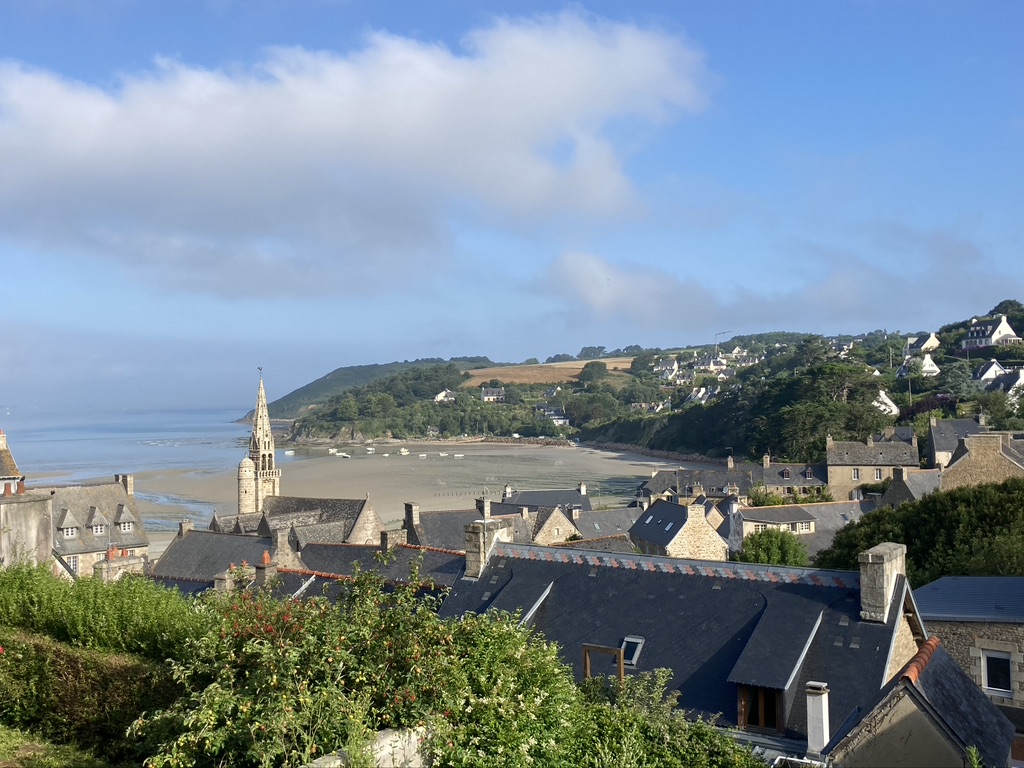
column 423, row 455
column 343, row 456
column 458, row 455
column 403, row 451
column 386, row 455
column 442, row 453
column 289, row 453
column 371, row 449
column 332, row 451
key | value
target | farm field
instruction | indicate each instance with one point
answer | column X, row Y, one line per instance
column 546, row 373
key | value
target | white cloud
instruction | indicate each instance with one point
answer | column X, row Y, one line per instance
column 330, row 167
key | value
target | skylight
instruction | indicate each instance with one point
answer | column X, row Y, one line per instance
column 648, row 520
column 631, row 647
column 668, row 527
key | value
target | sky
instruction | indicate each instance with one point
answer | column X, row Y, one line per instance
column 191, row 189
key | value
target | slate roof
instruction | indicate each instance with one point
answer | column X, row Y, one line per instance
column 661, row 523
column 947, row 695
column 831, row 517
column 83, row 506
column 436, row 565
column 619, row 542
column 8, row 467
column 703, row 620
column 894, row 453
column 199, row 556
column 248, row 523
column 996, row 599
column 330, row 510
column 1006, row 382
column 596, row 525
column 945, row 434
column 566, row 498
column 784, row 513
column 743, row 476
column 446, row 528
column 1010, row 445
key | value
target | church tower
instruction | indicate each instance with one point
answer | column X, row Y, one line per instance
column 258, row 476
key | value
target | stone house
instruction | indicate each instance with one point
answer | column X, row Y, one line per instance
column 944, row 436
column 991, row 333
column 744, row 641
column 492, row 394
column 25, row 516
column 910, row 485
column 90, row 520
column 526, row 523
column 918, row 345
column 987, row 457
column 673, row 530
column 851, row 464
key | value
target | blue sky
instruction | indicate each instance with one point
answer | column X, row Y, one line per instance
column 189, row 190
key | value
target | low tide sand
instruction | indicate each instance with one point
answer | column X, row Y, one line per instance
column 424, row 476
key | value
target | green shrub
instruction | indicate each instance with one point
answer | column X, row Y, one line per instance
column 133, row 615
column 76, row 695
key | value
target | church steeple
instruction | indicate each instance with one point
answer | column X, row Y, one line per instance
column 258, row 476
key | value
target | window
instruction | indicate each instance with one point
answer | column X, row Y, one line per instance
column 99, row 529
column 856, row 474
column 648, row 520
column 70, row 533
column 126, row 527
column 131, row 553
column 72, row 561
column 668, row 527
column 878, row 474
column 805, row 527
column 809, row 474
column 792, row 527
column 631, row 647
column 758, row 527
column 995, row 670
column 785, row 474
column 760, row 708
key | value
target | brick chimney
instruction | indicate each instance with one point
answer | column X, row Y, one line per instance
column 412, row 514
column 483, row 506
column 817, row 718
column 389, row 539
column 879, row 567
column 21, row 486
column 266, row 571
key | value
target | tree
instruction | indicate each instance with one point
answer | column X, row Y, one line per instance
column 593, row 371
column 773, row 547
column 590, row 353
column 561, row 358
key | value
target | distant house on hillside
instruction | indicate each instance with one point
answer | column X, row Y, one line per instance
column 885, row 404
column 989, row 371
column 928, row 366
column 1011, row 382
column 918, row 345
column 990, row 333
column 492, row 394
column 446, row 396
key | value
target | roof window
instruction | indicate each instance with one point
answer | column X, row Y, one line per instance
column 668, row 527
column 631, row 647
column 648, row 520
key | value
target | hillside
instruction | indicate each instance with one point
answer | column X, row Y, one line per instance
column 545, row 373
column 341, row 379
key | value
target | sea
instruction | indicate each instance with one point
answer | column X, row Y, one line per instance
column 58, row 447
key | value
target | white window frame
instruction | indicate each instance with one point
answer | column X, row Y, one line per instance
column 856, row 473
column 126, row 526
column 878, row 475
column 987, row 654
column 72, row 561
column 70, row 533
column 759, row 527
column 805, row 527
column 98, row 530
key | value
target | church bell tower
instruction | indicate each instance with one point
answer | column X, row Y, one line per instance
column 258, row 475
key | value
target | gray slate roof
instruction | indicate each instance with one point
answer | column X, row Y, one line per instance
column 997, row 599
column 744, row 476
column 945, row 434
column 442, row 568
column 698, row 619
column 566, row 498
column 445, row 529
column 249, row 523
column 661, row 523
column 75, row 506
column 199, row 556
column 596, row 525
column 885, row 454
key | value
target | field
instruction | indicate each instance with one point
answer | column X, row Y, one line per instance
column 546, row 373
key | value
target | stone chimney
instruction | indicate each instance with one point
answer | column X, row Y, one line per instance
column 412, row 514
column 282, row 551
column 828, row 441
column 582, row 488
column 870, row 441
column 389, row 539
column 184, row 527
column 224, row 582
column 730, row 463
column 507, row 492
column 899, row 474
column 127, row 482
column 879, row 567
column 483, row 506
column 524, row 512
column 266, row 571
column 817, row 718
column 932, row 421
column 982, row 419
column 481, row 536
column 766, row 461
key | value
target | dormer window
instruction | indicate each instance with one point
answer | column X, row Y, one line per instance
column 631, row 647
column 809, row 474
column 125, row 527
column 785, row 474
column 70, row 533
column 98, row 530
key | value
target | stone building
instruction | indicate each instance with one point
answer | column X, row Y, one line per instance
column 258, row 475
column 944, row 436
column 988, row 457
column 852, row 464
column 526, row 523
column 673, row 530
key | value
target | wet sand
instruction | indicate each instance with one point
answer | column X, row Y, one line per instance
column 433, row 481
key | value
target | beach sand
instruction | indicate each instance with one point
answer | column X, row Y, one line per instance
column 434, row 481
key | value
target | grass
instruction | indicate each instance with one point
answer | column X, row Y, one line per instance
column 22, row 750
column 545, row 373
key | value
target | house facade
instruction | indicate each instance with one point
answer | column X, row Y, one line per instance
column 988, row 457
column 492, row 394
column 944, row 437
column 989, row 333
column 852, row 464
column 673, row 530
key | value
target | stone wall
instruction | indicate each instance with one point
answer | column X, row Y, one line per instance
column 697, row 540
column 26, row 530
column 965, row 641
column 904, row 648
column 555, row 530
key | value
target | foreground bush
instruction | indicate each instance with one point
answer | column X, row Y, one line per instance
column 132, row 615
column 77, row 695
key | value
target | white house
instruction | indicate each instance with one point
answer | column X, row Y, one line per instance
column 990, row 334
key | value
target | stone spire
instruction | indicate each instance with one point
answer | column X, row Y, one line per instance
column 261, row 455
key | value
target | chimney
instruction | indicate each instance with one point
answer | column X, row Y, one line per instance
column 870, row 441
column 184, row 527
column 817, row 718
column 481, row 536
column 932, row 421
column 576, row 509
column 21, row 486
column 127, row 482
column 524, row 513
column 507, row 493
column 766, row 461
column 582, row 488
column 223, row 582
column 412, row 514
column 982, row 419
column 483, row 506
column 729, row 463
column 266, row 571
column 879, row 567
column 282, row 551
column 389, row 539
column 8, row 490
column 828, row 441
